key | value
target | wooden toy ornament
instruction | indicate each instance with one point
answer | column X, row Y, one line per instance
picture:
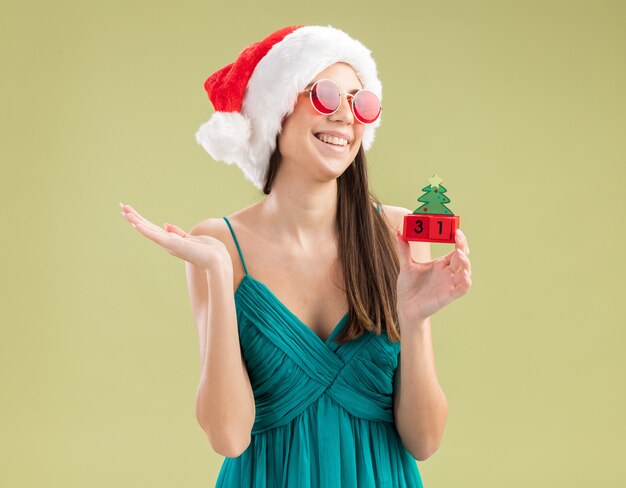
column 433, row 221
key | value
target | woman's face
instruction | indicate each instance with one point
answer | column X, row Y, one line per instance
column 302, row 152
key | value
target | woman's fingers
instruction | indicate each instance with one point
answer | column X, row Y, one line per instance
column 131, row 212
column 461, row 241
column 201, row 250
column 175, row 229
column 135, row 218
column 458, row 261
column 462, row 284
column 461, row 267
column 459, row 278
column 161, row 236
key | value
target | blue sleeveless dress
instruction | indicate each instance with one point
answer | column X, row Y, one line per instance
column 324, row 411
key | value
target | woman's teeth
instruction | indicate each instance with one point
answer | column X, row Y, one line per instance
column 338, row 141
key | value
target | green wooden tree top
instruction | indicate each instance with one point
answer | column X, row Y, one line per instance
column 433, row 198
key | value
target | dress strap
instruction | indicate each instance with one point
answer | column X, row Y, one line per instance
column 379, row 208
column 237, row 244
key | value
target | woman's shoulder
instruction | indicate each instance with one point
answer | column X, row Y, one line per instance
column 394, row 215
column 213, row 226
column 217, row 226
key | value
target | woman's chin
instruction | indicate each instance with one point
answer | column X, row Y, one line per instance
column 339, row 157
column 333, row 168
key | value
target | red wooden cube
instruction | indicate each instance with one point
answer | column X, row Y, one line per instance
column 430, row 227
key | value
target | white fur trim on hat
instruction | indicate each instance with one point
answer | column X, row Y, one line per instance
column 226, row 137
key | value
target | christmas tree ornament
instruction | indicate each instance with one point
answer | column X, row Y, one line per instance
column 433, row 221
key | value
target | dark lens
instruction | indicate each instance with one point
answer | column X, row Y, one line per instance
column 366, row 106
column 325, row 96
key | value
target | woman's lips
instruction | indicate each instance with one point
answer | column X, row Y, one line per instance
column 331, row 147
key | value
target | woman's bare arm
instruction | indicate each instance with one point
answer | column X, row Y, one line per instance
column 224, row 403
column 225, row 406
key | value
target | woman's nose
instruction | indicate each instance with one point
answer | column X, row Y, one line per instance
column 344, row 112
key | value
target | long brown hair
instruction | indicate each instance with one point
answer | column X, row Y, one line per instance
column 367, row 251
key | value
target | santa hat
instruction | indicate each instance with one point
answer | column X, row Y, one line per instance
column 253, row 94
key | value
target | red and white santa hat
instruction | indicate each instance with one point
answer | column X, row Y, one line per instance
column 253, row 94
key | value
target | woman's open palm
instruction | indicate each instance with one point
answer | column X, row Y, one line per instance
column 206, row 252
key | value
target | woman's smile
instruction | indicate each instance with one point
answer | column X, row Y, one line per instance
column 331, row 147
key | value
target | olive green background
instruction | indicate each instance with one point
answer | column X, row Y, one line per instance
column 518, row 106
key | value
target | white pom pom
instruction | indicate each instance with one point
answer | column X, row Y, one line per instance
column 225, row 136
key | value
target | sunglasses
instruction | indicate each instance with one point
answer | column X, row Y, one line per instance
column 326, row 97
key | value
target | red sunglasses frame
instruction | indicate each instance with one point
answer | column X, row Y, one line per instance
column 350, row 98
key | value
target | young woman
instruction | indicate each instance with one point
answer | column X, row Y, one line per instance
column 317, row 366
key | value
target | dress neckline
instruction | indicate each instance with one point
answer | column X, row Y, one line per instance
column 296, row 319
